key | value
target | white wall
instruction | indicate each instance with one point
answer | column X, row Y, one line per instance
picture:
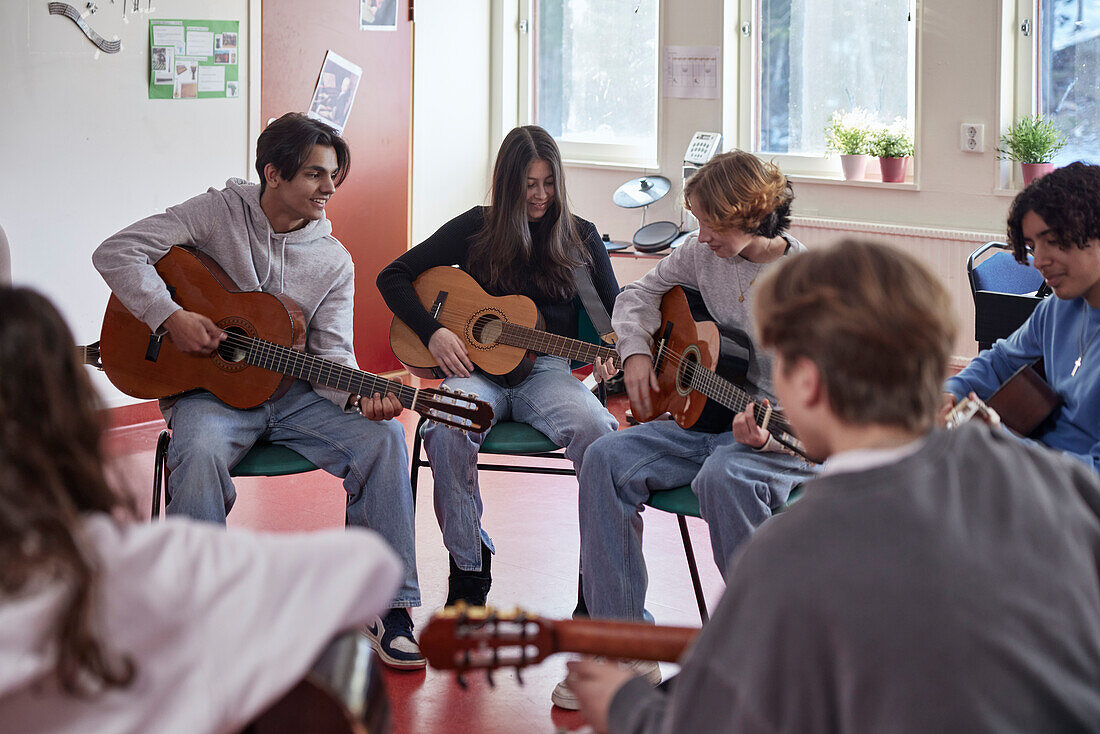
column 451, row 148
column 86, row 152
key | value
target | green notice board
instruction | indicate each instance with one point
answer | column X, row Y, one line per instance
column 194, row 59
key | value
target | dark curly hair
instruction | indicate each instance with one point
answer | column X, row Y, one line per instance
column 1067, row 199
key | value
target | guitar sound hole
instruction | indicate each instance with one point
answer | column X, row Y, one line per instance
column 487, row 329
column 232, row 350
column 686, row 371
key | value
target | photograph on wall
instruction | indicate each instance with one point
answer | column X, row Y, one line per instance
column 335, row 91
column 163, row 59
column 377, row 15
column 193, row 59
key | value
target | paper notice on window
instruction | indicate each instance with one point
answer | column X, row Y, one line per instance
column 693, row 72
column 211, row 78
column 200, row 43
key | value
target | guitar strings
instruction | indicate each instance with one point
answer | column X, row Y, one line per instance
column 540, row 341
column 266, row 353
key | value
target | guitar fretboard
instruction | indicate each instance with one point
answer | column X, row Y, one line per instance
column 278, row 358
column 543, row 342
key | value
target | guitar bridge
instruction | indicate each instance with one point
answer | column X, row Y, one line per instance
column 659, row 355
column 152, row 352
column 437, row 304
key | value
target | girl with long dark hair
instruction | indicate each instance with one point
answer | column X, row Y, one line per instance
column 108, row 624
column 528, row 243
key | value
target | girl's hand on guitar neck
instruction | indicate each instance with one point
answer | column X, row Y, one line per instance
column 746, row 431
column 193, row 333
column 450, row 353
column 640, row 379
column 602, row 370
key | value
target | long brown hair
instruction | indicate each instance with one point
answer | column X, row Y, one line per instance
column 51, row 472
column 503, row 252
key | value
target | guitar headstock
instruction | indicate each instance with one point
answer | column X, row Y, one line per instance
column 454, row 408
column 969, row 408
column 465, row 638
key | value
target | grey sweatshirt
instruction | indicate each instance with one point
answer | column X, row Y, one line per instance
column 309, row 265
column 956, row 590
column 721, row 281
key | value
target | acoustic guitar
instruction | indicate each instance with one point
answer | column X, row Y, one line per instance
column 342, row 694
column 1022, row 403
column 503, row 334
column 259, row 360
column 462, row 638
column 686, row 354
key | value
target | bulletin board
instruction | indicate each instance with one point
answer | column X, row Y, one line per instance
column 194, row 59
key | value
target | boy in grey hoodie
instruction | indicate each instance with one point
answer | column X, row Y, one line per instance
column 274, row 237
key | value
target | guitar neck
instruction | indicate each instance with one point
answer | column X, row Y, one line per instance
column 543, row 342
column 278, row 358
column 622, row 639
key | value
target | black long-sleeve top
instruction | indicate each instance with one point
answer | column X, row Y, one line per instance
column 450, row 245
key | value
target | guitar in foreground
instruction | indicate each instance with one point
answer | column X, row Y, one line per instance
column 259, row 360
column 686, row 354
column 465, row 638
column 503, row 334
column 1022, row 404
column 342, row 694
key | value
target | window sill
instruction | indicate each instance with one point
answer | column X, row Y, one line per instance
column 610, row 165
column 907, row 185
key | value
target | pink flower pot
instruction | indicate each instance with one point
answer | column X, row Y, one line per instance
column 893, row 169
column 854, row 166
column 1033, row 171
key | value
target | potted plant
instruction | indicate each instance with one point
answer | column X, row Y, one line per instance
column 847, row 133
column 892, row 144
column 1033, row 141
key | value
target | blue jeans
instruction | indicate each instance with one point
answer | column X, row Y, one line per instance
column 738, row 489
column 551, row 399
column 209, row 437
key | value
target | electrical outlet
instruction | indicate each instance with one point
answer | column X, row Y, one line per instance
column 972, row 137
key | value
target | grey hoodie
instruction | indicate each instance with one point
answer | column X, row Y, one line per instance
column 309, row 265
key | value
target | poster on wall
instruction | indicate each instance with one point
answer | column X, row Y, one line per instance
column 193, row 59
column 335, row 91
column 378, row 15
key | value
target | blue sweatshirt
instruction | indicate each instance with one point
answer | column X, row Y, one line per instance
column 1059, row 332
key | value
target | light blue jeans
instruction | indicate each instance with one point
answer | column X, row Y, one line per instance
column 738, row 489
column 209, row 437
column 551, row 399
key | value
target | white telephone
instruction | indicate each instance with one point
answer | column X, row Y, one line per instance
column 702, row 147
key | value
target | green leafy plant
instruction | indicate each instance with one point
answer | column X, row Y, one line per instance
column 1031, row 139
column 848, row 132
column 891, row 141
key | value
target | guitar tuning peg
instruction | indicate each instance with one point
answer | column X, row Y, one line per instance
column 460, row 679
column 489, row 678
column 519, row 675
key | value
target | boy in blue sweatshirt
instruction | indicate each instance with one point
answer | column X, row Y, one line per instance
column 1057, row 220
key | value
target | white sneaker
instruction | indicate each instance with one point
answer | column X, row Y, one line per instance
column 563, row 696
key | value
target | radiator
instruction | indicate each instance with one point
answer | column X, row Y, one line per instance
column 944, row 251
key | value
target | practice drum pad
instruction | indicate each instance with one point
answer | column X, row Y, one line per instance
column 656, row 236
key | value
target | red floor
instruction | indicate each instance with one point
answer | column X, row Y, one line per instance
column 533, row 521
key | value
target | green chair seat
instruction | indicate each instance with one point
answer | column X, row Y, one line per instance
column 508, row 437
column 271, row 460
column 679, row 501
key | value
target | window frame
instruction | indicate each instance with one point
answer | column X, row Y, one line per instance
column 599, row 155
column 741, row 93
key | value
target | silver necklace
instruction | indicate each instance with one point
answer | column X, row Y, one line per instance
column 1082, row 345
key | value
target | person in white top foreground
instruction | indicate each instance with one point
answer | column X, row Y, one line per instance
column 113, row 626
column 927, row 581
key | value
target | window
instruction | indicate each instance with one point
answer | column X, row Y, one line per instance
column 593, row 89
column 799, row 61
column 1059, row 60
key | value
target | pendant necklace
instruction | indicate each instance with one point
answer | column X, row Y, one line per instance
column 737, row 270
column 1081, row 344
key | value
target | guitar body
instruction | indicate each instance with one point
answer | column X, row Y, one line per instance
column 1024, row 401
column 698, row 342
column 136, row 366
column 456, row 300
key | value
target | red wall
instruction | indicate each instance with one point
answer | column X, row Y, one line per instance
column 370, row 211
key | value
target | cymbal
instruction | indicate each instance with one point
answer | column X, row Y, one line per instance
column 641, row 191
